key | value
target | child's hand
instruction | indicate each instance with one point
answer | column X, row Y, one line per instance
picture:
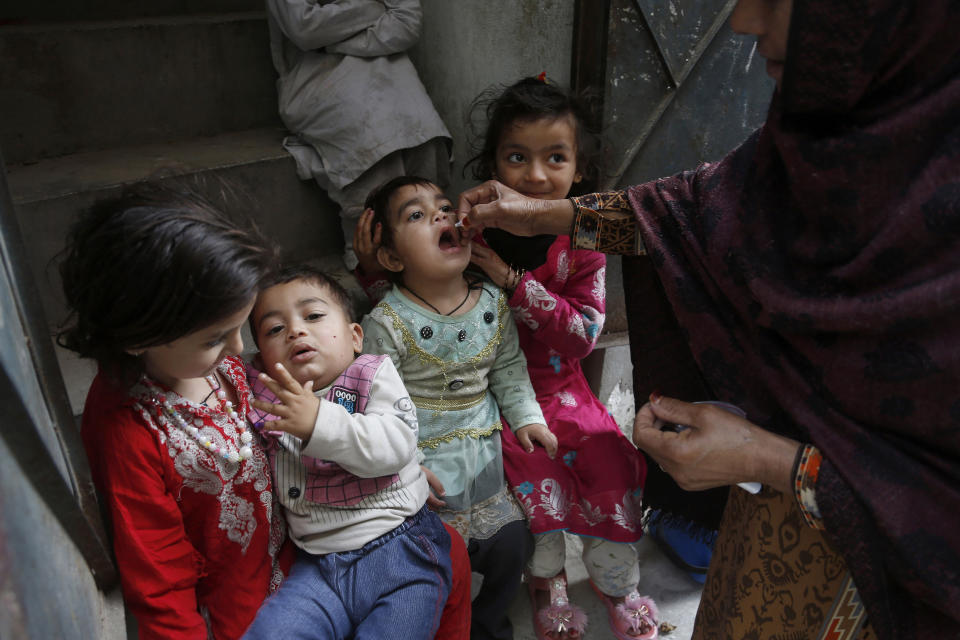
column 300, row 407
column 436, row 489
column 488, row 260
column 365, row 243
column 539, row 433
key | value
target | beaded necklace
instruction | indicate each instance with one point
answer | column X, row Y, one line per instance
column 245, row 452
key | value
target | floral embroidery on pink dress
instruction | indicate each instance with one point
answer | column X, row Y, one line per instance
column 594, row 485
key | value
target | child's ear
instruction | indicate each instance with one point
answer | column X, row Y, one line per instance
column 577, row 177
column 389, row 260
column 356, row 334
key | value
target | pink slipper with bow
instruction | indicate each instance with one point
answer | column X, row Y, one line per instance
column 560, row 618
column 633, row 619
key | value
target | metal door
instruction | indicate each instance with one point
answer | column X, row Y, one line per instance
column 52, row 540
column 679, row 88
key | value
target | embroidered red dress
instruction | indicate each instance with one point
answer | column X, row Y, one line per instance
column 594, row 484
column 197, row 539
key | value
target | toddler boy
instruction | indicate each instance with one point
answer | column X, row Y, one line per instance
column 373, row 560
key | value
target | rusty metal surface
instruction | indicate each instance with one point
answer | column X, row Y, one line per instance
column 682, row 88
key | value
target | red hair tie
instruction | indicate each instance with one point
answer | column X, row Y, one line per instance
column 542, row 77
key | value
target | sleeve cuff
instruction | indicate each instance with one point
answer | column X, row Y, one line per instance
column 605, row 222
column 806, row 469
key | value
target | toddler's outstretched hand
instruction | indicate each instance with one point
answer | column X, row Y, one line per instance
column 539, row 433
column 366, row 241
column 300, row 407
column 436, row 489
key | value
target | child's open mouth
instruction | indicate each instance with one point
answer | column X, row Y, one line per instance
column 302, row 352
column 449, row 239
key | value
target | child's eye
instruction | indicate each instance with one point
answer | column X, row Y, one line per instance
column 214, row 343
column 274, row 330
column 558, row 158
column 446, row 208
column 415, row 215
column 316, row 315
column 516, row 156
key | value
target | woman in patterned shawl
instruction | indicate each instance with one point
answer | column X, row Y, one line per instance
column 816, row 270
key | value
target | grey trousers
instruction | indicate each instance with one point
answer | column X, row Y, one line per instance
column 430, row 160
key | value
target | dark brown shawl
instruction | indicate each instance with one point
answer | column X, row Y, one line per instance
column 816, row 270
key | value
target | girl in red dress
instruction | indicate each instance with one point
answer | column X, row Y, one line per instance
column 160, row 282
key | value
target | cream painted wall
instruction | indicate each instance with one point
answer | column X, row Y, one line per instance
column 468, row 45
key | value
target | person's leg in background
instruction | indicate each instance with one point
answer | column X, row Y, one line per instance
column 614, row 573
column 500, row 559
column 553, row 614
column 429, row 160
column 549, row 554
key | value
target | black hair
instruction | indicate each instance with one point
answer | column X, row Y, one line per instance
column 156, row 263
column 499, row 107
column 285, row 273
column 379, row 201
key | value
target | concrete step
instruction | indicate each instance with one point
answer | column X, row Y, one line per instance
column 84, row 86
column 71, row 10
column 47, row 195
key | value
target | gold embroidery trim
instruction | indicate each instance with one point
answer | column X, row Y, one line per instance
column 427, row 358
column 459, row 434
column 439, row 404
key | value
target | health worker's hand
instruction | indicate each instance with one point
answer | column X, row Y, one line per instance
column 493, row 204
column 717, row 448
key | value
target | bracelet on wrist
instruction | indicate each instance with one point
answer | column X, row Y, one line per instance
column 513, row 279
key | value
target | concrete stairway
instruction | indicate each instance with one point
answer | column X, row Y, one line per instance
column 97, row 95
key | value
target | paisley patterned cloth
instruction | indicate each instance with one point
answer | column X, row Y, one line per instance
column 816, row 270
column 197, row 538
column 772, row 576
column 594, row 485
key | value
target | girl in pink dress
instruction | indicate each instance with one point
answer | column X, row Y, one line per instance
column 539, row 143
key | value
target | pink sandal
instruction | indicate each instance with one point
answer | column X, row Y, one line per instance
column 635, row 615
column 560, row 616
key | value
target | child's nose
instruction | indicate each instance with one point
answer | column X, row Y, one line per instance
column 536, row 173
column 234, row 343
column 294, row 331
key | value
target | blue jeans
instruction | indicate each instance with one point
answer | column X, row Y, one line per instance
column 393, row 587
